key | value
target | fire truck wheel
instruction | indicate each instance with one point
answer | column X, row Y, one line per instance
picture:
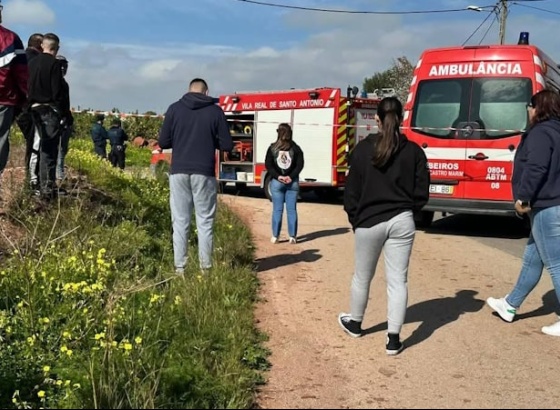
column 327, row 194
column 267, row 191
column 423, row 219
column 241, row 186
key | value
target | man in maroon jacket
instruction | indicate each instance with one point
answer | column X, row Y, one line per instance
column 13, row 86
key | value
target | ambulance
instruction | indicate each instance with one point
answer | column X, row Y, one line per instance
column 326, row 125
column 467, row 108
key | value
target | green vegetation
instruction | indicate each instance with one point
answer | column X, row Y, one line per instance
column 92, row 315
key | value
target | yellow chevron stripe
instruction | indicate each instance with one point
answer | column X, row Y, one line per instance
column 342, row 134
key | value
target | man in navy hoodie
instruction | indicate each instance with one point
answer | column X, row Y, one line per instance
column 194, row 127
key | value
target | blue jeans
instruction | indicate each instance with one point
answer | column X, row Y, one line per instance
column 188, row 192
column 542, row 250
column 284, row 194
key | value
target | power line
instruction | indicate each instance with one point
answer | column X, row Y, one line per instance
column 478, row 28
column 496, row 18
column 287, row 6
column 536, row 8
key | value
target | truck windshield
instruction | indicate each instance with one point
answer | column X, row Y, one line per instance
column 497, row 107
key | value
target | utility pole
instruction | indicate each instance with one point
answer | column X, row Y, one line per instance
column 503, row 18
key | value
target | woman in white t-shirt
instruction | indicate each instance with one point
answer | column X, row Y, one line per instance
column 284, row 162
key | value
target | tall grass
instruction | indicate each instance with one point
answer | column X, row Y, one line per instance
column 92, row 315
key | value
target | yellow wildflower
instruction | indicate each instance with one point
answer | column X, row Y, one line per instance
column 46, row 369
column 41, row 394
column 138, row 340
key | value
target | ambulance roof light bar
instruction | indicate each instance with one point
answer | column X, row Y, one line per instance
column 523, row 38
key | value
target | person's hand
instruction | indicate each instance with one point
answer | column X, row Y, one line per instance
column 282, row 179
column 288, row 180
column 520, row 209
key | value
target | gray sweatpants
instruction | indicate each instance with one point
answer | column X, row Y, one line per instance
column 395, row 237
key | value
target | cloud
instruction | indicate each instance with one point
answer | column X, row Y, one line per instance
column 344, row 51
column 29, row 12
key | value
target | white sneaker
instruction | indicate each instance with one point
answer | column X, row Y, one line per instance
column 502, row 308
column 293, row 240
column 274, row 239
column 552, row 330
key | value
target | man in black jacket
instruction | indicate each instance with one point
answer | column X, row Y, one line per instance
column 24, row 121
column 47, row 102
column 68, row 120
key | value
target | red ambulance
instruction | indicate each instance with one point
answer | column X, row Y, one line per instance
column 467, row 110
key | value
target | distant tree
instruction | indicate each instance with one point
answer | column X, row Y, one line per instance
column 150, row 113
column 398, row 76
column 115, row 110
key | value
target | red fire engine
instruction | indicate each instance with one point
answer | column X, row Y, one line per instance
column 467, row 109
column 326, row 125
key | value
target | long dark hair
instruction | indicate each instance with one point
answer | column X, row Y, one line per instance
column 390, row 113
column 284, row 140
column 547, row 106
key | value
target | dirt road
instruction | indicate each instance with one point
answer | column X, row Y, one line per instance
column 458, row 354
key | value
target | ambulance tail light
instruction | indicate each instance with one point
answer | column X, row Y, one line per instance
column 523, row 38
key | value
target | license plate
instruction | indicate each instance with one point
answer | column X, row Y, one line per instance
column 441, row 189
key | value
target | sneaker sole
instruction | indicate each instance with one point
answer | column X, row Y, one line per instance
column 495, row 309
column 394, row 352
column 354, row 335
column 549, row 332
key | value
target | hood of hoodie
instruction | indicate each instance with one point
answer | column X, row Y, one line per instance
column 196, row 101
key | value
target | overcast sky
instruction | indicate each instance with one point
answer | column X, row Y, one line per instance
column 140, row 54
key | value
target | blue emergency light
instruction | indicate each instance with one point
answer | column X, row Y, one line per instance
column 523, row 38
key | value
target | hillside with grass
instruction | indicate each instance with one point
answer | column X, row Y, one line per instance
column 91, row 313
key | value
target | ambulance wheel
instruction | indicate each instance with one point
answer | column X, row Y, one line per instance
column 423, row 219
column 267, row 191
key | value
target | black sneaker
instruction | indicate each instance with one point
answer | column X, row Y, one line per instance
column 352, row 327
column 394, row 345
column 61, row 192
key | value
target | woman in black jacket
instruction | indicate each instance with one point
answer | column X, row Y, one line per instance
column 389, row 179
column 284, row 162
column 536, row 191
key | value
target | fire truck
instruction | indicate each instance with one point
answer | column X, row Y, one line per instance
column 467, row 108
column 326, row 125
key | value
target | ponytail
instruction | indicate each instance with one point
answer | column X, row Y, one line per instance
column 387, row 142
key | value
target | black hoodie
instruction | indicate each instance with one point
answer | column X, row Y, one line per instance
column 195, row 127
column 374, row 195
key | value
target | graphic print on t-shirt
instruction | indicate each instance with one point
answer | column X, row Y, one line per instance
column 284, row 160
